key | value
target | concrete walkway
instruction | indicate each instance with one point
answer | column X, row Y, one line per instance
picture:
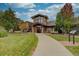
column 49, row 47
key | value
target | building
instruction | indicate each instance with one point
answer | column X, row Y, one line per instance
column 41, row 24
column 25, row 26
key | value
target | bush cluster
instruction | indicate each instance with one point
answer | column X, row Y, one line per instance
column 3, row 32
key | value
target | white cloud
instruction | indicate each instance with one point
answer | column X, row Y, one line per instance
column 29, row 14
column 43, row 11
column 30, row 20
column 23, row 5
column 53, row 10
column 24, row 15
column 75, row 5
column 32, row 10
column 50, row 11
column 55, row 7
column 18, row 14
column 75, row 8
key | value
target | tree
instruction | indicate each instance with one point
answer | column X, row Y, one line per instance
column 67, row 25
column 64, row 19
column 24, row 26
column 8, row 19
column 59, row 22
column 68, row 17
column 1, row 17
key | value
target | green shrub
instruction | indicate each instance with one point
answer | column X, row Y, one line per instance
column 3, row 32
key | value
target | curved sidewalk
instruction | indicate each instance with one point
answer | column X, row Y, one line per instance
column 48, row 46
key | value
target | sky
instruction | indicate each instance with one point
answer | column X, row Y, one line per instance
column 25, row 11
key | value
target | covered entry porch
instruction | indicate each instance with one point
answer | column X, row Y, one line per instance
column 38, row 28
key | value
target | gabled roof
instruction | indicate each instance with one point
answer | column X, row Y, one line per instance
column 39, row 15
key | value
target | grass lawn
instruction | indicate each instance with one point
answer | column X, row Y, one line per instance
column 73, row 49
column 18, row 44
column 61, row 37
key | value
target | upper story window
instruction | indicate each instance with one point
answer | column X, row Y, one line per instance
column 40, row 19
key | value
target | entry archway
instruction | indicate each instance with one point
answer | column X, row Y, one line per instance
column 39, row 30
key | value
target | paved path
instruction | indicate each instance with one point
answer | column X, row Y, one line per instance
column 49, row 47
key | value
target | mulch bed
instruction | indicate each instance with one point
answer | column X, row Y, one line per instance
column 66, row 43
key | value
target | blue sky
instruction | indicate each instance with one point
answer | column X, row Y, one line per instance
column 26, row 10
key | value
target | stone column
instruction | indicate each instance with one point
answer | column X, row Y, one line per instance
column 42, row 29
column 53, row 29
column 32, row 29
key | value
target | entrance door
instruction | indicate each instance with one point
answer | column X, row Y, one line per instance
column 38, row 29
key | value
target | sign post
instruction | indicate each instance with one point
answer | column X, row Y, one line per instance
column 73, row 39
column 73, row 32
column 69, row 37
